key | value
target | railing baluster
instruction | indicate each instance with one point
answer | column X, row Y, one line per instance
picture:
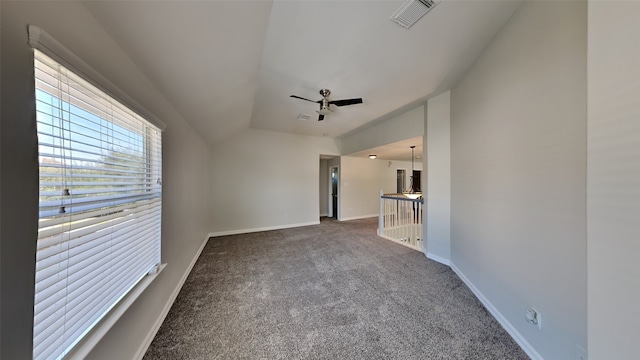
column 400, row 219
column 403, row 224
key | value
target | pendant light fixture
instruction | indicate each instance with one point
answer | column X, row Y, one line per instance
column 411, row 193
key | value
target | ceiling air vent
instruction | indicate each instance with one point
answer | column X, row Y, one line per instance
column 412, row 11
column 304, row 117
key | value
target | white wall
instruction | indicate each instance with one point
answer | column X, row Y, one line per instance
column 518, row 174
column 404, row 126
column 186, row 176
column 437, row 142
column 265, row 180
column 361, row 182
column 613, row 180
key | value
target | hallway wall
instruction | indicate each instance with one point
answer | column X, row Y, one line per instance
column 361, row 182
column 266, row 180
column 613, row 180
column 518, row 175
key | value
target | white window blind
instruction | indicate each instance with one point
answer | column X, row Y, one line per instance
column 100, row 206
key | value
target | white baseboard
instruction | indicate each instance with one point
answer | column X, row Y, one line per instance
column 156, row 326
column 511, row 330
column 437, row 258
column 324, row 214
column 358, row 217
column 267, row 228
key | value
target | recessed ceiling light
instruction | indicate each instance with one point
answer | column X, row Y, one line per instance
column 373, row 156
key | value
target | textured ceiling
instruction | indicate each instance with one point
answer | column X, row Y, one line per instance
column 230, row 65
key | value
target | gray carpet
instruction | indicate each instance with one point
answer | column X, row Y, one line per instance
column 331, row 291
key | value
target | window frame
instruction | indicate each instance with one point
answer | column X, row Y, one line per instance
column 40, row 40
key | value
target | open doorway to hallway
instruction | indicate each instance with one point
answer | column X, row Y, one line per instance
column 334, row 192
column 329, row 186
column 401, row 180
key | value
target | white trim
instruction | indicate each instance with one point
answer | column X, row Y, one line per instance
column 359, row 217
column 437, row 258
column 156, row 326
column 84, row 347
column 524, row 344
column 324, row 214
column 266, row 228
column 39, row 39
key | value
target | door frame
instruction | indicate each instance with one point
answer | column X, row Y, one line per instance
column 404, row 182
column 417, row 185
column 330, row 203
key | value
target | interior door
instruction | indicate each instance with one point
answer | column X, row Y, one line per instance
column 416, row 180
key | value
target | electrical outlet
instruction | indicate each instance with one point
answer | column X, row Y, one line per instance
column 534, row 317
column 581, row 353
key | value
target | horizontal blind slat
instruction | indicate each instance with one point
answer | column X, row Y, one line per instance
column 86, row 291
column 51, row 209
column 49, row 345
column 47, row 222
column 86, row 254
column 49, row 304
column 101, row 219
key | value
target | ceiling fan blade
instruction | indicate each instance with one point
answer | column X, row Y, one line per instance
column 301, row 98
column 346, row 102
column 320, row 117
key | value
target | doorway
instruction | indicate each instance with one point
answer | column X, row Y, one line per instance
column 416, row 181
column 401, row 181
column 334, row 192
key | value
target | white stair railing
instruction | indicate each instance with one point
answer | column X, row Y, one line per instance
column 400, row 219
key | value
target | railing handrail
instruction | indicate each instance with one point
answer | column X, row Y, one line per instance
column 401, row 198
column 400, row 219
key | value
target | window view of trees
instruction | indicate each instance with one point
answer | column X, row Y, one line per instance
column 105, row 161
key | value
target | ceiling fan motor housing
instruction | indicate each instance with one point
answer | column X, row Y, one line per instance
column 324, row 104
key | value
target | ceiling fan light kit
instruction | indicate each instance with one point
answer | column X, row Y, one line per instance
column 324, row 111
column 325, row 103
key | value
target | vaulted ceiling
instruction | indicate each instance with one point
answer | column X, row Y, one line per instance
column 230, row 65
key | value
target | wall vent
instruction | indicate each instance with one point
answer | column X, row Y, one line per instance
column 411, row 11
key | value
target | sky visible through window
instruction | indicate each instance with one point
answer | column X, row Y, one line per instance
column 102, row 158
column 52, row 109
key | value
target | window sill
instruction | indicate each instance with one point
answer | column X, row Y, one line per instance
column 84, row 347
